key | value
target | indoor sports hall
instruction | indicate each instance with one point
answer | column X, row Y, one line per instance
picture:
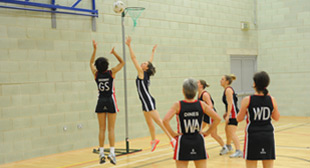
column 50, row 79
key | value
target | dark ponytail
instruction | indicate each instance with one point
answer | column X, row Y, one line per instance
column 265, row 91
column 151, row 69
column 261, row 80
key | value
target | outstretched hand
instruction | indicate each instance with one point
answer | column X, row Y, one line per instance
column 94, row 44
column 112, row 51
column 128, row 41
column 154, row 48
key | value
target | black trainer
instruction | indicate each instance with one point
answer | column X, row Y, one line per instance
column 102, row 159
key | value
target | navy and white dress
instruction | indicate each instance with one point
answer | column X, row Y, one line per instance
column 259, row 138
column 190, row 145
column 106, row 99
column 148, row 102
column 206, row 118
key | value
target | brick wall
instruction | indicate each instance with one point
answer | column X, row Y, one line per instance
column 283, row 45
column 46, row 83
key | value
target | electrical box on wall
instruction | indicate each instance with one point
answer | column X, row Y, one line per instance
column 245, row 26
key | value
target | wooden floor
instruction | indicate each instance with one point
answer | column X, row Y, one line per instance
column 292, row 151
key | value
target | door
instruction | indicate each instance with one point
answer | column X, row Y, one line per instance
column 244, row 68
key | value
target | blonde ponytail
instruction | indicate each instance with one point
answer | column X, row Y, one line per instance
column 233, row 77
column 230, row 78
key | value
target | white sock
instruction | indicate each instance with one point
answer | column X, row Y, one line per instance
column 101, row 151
column 112, row 150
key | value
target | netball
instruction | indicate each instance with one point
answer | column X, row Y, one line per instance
column 118, row 7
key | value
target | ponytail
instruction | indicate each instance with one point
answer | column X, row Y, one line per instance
column 261, row 80
column 151, row 69
column 204, row 83
column 230, row 78
column 265, row 91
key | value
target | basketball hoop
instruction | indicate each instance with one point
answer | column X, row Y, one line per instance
column 134, row 13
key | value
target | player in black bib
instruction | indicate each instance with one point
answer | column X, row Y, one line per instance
column 230, row 100
column 189, row 112
column 259, row 108
column 106, row 106
column 206, row 97
column 145, row 70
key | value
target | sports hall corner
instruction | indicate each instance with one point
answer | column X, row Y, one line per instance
column 52, row 85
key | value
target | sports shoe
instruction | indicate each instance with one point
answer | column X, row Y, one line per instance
column 229, row 147
column 154, row 144
column 102, row 159
column 173, row 142
column 224, row 150
column 112, row 159
column 237, row 154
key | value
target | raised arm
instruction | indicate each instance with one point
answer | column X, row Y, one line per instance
column 216, row 118
column 134, row 59
column 166, row 121
column 120, row 65
column 153, row 52
column 275, row 114
column 244, row 105
column 92, row 59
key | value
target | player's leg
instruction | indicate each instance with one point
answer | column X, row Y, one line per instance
column 228, row 138
column 155, row 116
column 102, row 129
column 214, row 135
column 232, row 129
column 217, row 137
column 181, row 164
column 150, row 124
column 251, row 163
column 111, row 132
column 267, row 163
column 111, row 128
column 201, row 163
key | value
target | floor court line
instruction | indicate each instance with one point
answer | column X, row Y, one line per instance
column 294, row 147
column 159, row 150
column 142, row 160
column 293, row 157
column 133, row 156
column 143, row 154
column 136, row 160
column 285, row 125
